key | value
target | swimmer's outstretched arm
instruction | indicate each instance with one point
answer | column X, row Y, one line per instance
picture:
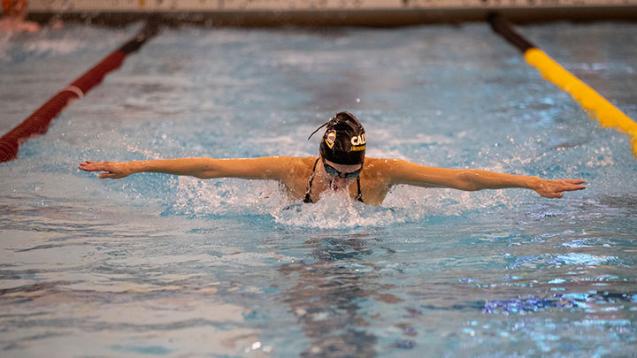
column 404, row 172
column 275, row 168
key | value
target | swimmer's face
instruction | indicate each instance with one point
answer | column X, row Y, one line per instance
column 341, row 174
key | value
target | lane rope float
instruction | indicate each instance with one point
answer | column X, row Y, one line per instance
column 599, row 107
column 38, row 122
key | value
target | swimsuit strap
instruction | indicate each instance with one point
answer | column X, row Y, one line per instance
column 308, row 198
column 359, row 195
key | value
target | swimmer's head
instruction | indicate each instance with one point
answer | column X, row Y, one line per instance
column 344, row 140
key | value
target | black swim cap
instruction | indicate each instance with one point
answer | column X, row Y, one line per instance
column 344, row 139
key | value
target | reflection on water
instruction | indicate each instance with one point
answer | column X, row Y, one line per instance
column 586, row 301
column 331, row 286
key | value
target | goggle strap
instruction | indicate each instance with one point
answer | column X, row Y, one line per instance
column 322, row 125
column 334, row 120
column 317, row 129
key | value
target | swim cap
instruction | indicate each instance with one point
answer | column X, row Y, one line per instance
column 344, row 140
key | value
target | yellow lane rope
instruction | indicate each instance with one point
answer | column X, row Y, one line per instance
column 599, row 107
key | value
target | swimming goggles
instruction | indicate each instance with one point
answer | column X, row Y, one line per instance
column 335, row 173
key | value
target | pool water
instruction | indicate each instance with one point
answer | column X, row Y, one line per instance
column 161, row 265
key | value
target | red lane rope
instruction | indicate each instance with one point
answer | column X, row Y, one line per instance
column 38, row 122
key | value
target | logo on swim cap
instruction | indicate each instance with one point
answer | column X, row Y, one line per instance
column 330, row 138
column 359, row 139
column 358, row 142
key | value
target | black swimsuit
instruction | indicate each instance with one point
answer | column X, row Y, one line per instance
column 308, row 199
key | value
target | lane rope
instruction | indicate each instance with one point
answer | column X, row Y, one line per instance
column 74, row 89
column 38, row 122
column 607, row 114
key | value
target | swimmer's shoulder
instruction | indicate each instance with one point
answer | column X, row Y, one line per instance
column 384, row 163
column 294, row 167
column 378, row 168
column 378, row 165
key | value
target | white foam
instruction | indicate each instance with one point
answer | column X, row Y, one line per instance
column 53, row 46
column 218, row 197
column 335, row 210
column 201, row 198
column 602, row 157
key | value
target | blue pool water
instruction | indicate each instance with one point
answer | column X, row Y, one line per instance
column 160, row 265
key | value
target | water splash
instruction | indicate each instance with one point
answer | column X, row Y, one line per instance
column 213, row 198
column 201, row 198
column 337, row 210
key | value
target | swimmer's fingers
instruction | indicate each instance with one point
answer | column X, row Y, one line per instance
column 112, row 170
column 571, row 184
column 556, row 188
column 96, row 166
column 575, row 181
column 87, row 166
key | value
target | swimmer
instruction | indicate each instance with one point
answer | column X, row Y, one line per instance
column 15, row 12
column 342, row 166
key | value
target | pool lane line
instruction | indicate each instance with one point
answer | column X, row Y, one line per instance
column 599, row 107
column 38, row 122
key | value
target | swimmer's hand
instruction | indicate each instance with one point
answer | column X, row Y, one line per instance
column 555, row 188
column 110, row 170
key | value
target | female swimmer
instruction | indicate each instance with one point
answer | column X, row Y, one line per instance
column 341, row 162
